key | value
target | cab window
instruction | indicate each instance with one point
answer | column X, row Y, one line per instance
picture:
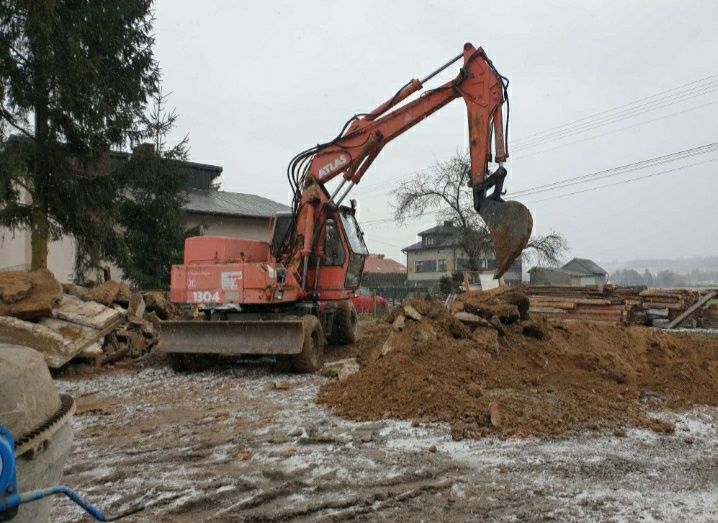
column 333, row 249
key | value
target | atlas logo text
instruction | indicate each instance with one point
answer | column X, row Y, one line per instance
column 331, row 166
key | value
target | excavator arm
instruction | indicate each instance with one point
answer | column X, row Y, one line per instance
column 353, row 151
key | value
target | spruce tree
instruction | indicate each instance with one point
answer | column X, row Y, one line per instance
column 75, row 76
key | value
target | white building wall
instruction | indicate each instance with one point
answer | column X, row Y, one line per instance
column 15, row 252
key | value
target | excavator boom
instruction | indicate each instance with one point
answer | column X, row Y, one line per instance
column 350, row 154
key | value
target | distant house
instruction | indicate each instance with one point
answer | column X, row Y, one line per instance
column 219, row 213
column 439, row 253
column 579, row 272
column 379, row 264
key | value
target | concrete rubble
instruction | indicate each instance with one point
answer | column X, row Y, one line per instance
column 104, row 324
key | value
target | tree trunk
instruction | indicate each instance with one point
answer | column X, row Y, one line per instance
column 39, row 237
column 40, row 226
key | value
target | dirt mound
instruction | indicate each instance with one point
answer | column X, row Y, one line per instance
column 525, row 377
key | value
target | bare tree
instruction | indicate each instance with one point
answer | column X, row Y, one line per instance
column 443, row 189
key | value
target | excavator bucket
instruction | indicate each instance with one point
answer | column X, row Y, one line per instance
column 509, row 225
column 274, row 337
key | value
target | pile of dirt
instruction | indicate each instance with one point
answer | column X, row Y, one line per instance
column 518, row 377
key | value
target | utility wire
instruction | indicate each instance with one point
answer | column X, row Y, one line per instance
column 622, row 169
column 696, row 85
column 592, row 177
column 680, row 168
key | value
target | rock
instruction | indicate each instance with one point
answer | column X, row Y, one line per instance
column 538, row 329
column 105, row 293
column 242, row 455
column 287, row 452
column 487, row 337
column 619, row 433
column 424, row 333
column 471, row 320
column 75, row 290
column 136, row 306
column 43, row 295
column 411, row 312
column 14, row 290
column 222, row 414
column 124, row 295
column 399, row 322
column 495, row 414
column 154, row 320
column 432, row 448
column 156, row 302
column 386, row 348
column 341, row 369
column 496, row 324
column 296, row 432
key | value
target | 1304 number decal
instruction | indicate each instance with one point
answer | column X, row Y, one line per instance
column 205, row 297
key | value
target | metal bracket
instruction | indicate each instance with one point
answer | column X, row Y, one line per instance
column 495, row 180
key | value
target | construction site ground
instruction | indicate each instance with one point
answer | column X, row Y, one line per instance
column 246, row 442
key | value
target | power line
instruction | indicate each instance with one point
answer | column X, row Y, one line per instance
column 614, row 131
column 680, row 168
column 707, row 79
column 622, row 169
column 598, row 175
column 611, row 119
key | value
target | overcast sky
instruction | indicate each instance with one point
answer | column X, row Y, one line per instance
column 257, row 82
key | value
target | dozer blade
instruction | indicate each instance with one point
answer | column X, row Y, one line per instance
column 233, row 337
column 509, row 225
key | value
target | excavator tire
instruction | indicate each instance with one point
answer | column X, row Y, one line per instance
column 345, row 325
column 310, row 359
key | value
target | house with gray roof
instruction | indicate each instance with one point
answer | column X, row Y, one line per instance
column 215, row 212
column 579, row 272
column 439, row 253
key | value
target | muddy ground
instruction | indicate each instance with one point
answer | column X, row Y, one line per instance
column 245, row 442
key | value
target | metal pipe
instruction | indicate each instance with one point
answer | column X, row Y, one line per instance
column 344, row 180
column 351, row 184
column 447, row 64
column 304, row 272
column 316, row 274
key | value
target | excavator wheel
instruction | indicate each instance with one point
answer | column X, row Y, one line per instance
column 345, row 325
column 310, row 359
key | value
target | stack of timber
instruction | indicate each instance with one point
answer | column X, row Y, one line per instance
column 710, row 316
column 628, row 305
column 577, row 303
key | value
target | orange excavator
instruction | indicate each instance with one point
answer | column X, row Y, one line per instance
column 287, row 297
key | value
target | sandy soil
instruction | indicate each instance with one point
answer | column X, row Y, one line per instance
column 229, row 445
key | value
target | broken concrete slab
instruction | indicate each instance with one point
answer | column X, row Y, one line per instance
column 471, row 320
column 105, row 293
column 136, row 306
column 411, row 312
column 341, row 369
column 399, row 322
column 87, row 313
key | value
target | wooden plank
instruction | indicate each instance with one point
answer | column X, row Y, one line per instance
column 693, row 308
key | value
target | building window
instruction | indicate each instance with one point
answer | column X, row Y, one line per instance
column 428, row 241
column 442, row 266
column 462, row 264
column 425, row 265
